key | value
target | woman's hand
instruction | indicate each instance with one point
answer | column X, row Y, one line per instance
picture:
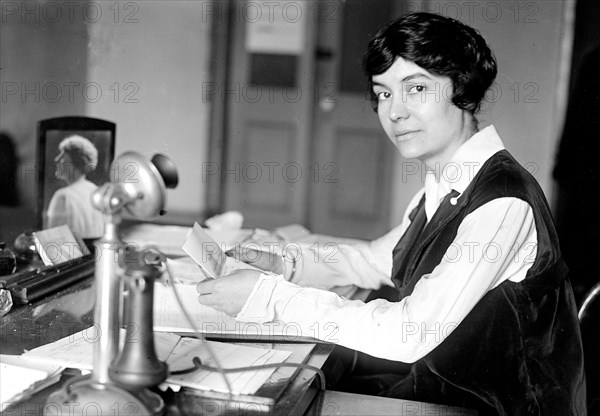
column 228, row 293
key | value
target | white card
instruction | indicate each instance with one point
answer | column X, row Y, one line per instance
column 205, row 251
column 58, row 245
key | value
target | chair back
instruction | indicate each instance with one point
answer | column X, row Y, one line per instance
column 589, row 319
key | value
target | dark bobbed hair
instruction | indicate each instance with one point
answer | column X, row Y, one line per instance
column 440, row 45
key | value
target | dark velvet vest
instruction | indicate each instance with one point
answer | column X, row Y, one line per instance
column 518, row 352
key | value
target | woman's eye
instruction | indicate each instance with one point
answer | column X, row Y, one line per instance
column 382, row 95
column 416, row 89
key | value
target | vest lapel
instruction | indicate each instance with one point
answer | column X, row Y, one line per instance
column 418, row 234
column 444, row 214
column 406, row 244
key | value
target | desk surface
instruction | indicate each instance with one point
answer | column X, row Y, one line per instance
column 336, row 403
column 71, row 310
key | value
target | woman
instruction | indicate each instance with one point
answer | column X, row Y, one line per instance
column 486, row 314
column 72, row 205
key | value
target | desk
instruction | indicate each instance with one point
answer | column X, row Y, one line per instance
column 336, row 403
column 71, row 310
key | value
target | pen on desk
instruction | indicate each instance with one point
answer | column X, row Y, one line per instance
column 207, row 293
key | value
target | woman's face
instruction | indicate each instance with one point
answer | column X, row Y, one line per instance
column 417, row 113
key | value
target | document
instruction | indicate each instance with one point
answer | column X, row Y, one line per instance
column 185, row 270
column 205, row 251
column 76, row 351
column 167, row 238
column 168, row 317
column 58, row 245
column 208, row 255
column 229, row 356
column 18, row 380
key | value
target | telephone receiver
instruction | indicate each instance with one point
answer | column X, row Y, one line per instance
column 137, row 366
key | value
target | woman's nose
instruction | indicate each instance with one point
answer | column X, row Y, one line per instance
column 398, row 109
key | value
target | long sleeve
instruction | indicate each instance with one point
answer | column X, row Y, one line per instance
column 496, row 242
column 328, row 263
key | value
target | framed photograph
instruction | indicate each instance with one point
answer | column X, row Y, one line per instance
column 74, row 157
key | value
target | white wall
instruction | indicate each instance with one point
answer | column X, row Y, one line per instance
column 142, row 65
column 158, row 52
column 43, row 56
column 158, row 60
column 529, row 113
column 527, row 39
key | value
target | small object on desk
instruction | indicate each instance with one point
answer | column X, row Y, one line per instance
column 230, row 220
column 5, row 302
column 30, row 285
column 58, row 245
column 8, row 260
column 24, row 247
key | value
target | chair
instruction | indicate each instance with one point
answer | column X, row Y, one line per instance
column 51, row 132
column 589, row 319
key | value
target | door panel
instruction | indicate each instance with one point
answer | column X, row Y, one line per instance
column 267, row 142
column 353, row 197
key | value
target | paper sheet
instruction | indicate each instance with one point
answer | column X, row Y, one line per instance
column 17, row 379
column 168, row 317
column 76, row 351
column 167, row 238
column 185, row 270
column 58, row 245
column 230, row 356
column 205, row 251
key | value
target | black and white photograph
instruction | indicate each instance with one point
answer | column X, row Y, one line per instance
column 400, row 194
column 71, row 165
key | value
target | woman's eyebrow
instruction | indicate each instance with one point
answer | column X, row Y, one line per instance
column 407, row 78
column 414, row 76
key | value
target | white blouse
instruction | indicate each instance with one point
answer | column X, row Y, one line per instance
column 494, row 243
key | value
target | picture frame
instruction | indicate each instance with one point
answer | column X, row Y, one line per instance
column 50, row 133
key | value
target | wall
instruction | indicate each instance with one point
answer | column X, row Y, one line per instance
column 43, row 56
column 156, row 55
column 527, row 104
column 150, row 61
column 142, row 65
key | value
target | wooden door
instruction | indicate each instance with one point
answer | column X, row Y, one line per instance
column 269, row 104
column 303, row 144
column 352, row 197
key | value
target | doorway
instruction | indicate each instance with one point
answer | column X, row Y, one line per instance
column 302, row 144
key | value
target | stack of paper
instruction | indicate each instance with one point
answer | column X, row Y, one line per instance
column 76, row 351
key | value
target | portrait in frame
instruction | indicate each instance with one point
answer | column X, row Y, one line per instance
column 74, row 156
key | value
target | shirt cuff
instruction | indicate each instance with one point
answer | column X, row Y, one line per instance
column 256, row 309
